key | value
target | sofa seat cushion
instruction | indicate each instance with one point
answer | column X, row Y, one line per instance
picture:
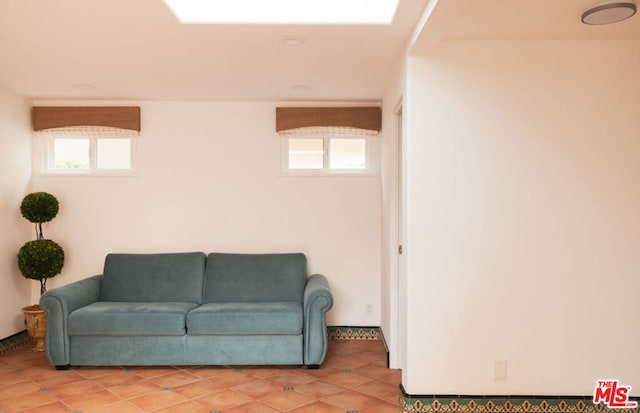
column 246, row 318
column 130, row 319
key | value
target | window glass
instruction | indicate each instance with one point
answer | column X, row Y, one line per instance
column 306, row 153
column 71, row 154
column 113, row 153
column 348, row 153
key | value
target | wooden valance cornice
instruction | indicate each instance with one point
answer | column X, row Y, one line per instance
column 50, row 117
column 366, row 118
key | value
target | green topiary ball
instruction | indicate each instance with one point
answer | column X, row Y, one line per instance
column 40, row 259
column 39, row 207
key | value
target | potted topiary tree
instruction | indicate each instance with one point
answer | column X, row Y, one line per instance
column 39, row 260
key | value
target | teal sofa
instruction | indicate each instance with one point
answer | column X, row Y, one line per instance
column 190, row 309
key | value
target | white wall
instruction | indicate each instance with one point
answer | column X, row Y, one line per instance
column 15, row 171
column 393, row 296
column 209, row 180
column 524, row 216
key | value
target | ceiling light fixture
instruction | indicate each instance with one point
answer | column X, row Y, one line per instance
column 609, row 13
column 84, row 86
column 292, row 40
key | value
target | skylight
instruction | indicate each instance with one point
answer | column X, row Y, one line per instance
column 284, row 11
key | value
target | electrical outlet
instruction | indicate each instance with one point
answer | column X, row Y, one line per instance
column 500, row 370
column 368, row 309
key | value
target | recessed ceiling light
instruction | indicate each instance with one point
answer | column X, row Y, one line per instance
column 84, row 86
column 284, row 11
column 292, row 40
column 609, row 13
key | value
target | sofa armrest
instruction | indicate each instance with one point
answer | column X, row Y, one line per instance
column 58, row 303
column 317, row 301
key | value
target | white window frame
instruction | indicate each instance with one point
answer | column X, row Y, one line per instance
column 48, row 157
column 370, row 169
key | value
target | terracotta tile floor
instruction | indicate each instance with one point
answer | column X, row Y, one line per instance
column 352, row 379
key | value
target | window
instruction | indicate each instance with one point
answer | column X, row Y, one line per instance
column 82, row 155
column 327, row 154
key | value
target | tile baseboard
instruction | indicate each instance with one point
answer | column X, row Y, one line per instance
column 12, row 342
column 353, row 333
column 437, row 403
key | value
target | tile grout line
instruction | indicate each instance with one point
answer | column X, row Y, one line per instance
column 370, row 375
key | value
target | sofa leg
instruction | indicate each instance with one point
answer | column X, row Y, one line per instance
column 313, row 366
column 65, row 367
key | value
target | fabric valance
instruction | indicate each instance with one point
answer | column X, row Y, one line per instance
column 85, row 117
column 348, row 120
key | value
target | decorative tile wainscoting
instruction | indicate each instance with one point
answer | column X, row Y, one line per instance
column 504, row 404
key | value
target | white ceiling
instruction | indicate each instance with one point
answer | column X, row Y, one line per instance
column 136, row 49
column 516, row 20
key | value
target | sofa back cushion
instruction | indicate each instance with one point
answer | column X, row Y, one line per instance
column 255, row 277
column 174, row 277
